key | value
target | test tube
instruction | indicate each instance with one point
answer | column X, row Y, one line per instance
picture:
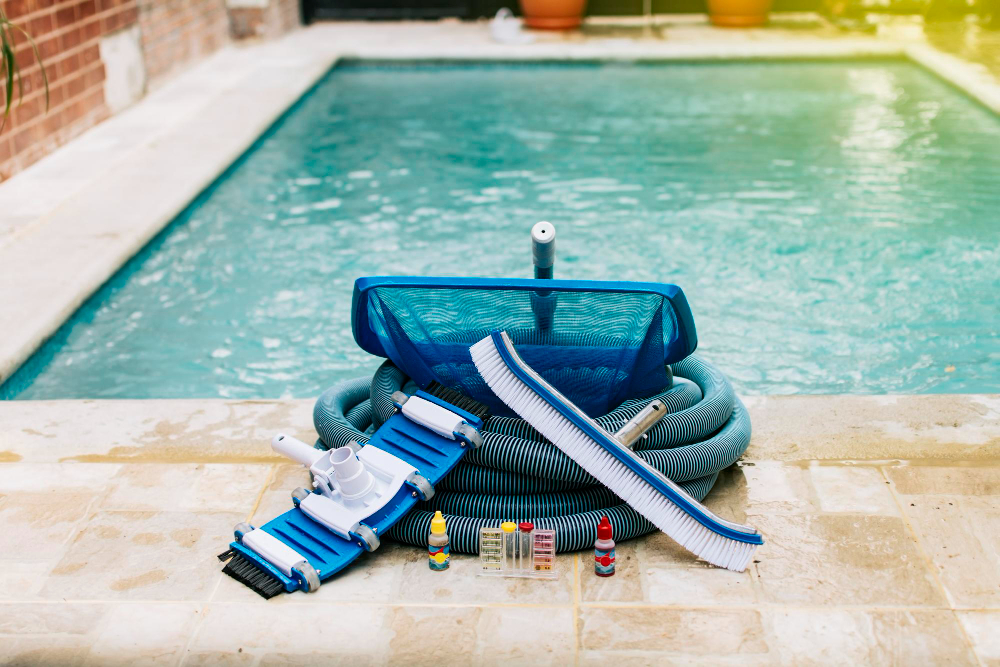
column 510, row 541
column 525, row 551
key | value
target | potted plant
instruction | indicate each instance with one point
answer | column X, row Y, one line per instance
column 739, row 13
column 553, row 14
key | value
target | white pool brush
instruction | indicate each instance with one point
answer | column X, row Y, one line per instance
column 600, row 453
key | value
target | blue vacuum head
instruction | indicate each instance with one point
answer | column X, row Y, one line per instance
column 599, row 343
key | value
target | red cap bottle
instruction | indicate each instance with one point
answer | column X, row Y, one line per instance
column 604, row 549
column 604, row 529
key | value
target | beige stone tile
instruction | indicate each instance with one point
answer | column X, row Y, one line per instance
column 461, row 583
column 150, row 431
column 852, row 489
column 188, row 487
column 145, row 633
column 841, row 559
column 526, row 636
column 416, row 635
column 437, row 635
column 237, row 629
column 673, row 576
column 49, row 650
column 327, row 657
column 34, row 525
column 956, row 513
column 624, row 586
column 47, row 618
column 945, row 480
column 774, row 636
column 143, row 556
column 730, row 497
column 866, row 428
column 671, row 635
column 776, row 488
column 983, row 629
column 47, row 634
column 220, row 658
column 837, row 636
column 73, row 477
column 961, row 535
column 21, row 581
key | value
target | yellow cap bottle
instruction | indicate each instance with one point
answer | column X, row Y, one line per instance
column 438, row 549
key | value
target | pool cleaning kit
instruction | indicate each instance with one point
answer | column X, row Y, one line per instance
column 474, row 436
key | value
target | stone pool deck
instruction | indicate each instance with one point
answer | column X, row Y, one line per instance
column 881, row 515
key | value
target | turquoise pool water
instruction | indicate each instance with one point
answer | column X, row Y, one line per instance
column 836, row 226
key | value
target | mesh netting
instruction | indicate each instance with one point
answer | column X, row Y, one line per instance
column 599, row 348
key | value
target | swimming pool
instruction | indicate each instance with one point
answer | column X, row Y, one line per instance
column 836, row 226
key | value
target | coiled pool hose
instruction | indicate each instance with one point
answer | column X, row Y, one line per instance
column 517, row 475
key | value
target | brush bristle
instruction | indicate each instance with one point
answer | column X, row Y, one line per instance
column 458, row 399
column 622, row 480
column 247, row 572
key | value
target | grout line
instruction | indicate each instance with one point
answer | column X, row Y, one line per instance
column 930, row 564
column 263, row 489
column 576, row 608
column 286, row 601
column 194, row 631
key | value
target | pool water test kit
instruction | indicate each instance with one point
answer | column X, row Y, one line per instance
column 483, row 406
column 517, row 550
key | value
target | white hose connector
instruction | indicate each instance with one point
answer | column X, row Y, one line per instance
column 353, row 478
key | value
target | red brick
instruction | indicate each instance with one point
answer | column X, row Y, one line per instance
column 6, row 149
column 70, row 39
column 48, row 47
column 74, row 86
column 65, row 16
column 94, row 77
column 91, row 30
column 90, row 54
column 68, row 65
column 110, row 23
column 88, row 8
column 15, row 9
column 40, row 25
column 52, row 123
column 25, row 56
column 21, row 140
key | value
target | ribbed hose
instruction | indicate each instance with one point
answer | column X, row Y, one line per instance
column 517, row 475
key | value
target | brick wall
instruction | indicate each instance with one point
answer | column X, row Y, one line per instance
column 172, row 34
column 68, row 33
column 177, row 32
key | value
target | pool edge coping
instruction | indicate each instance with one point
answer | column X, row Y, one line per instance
column 27, row 260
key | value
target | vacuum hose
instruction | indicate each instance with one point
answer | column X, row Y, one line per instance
column 518, row 475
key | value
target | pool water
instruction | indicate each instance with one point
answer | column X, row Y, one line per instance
column 836, row 226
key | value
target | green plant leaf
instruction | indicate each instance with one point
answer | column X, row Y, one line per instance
column 8, row 55
column 38, row 57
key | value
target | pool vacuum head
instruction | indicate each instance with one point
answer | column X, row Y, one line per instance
column 359, row 493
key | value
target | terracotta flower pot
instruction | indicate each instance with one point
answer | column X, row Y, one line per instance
column 739, row 13
column 553, row 14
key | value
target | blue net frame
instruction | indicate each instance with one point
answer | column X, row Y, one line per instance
column 599, row 343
